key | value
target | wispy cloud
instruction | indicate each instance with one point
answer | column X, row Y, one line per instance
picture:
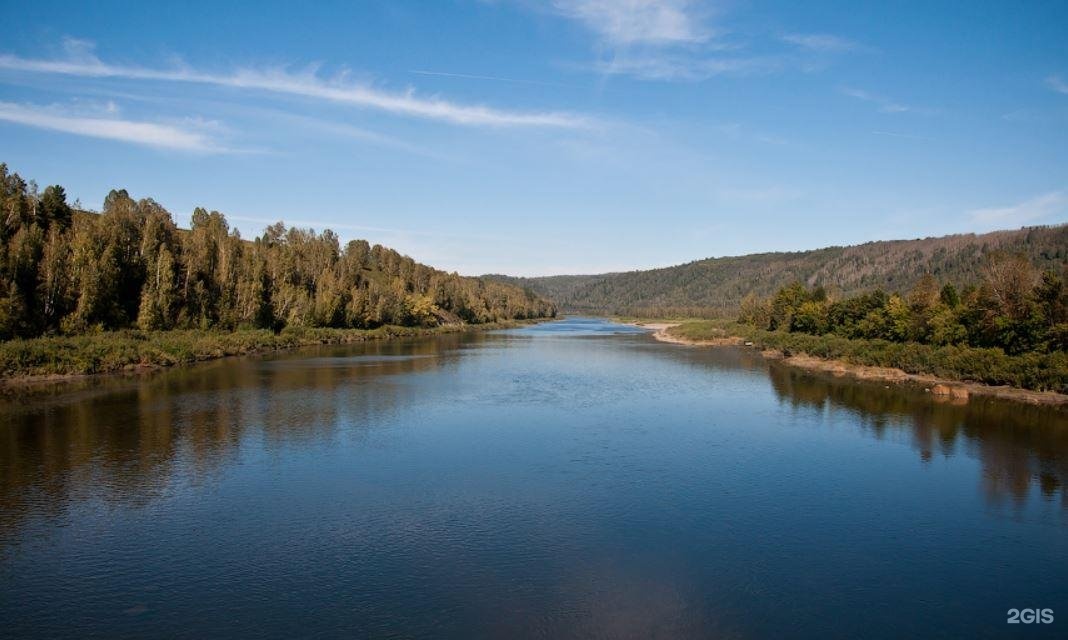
column 82, row 62
column 674, row 40
column 636, row 22
column 738, row 131
column 885, row 105
column 1040, row 208
column 656, row 40
column 472, row 76
column 896, row 134
column 684, row 66
column 149, row 134
column 344, row 130
column 820, row 42
column 1057, row 83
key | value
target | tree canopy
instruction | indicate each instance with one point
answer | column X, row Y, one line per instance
column 1013, row 307
column 69, row 271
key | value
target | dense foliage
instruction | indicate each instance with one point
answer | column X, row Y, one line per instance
column 990, row 365
column 716, row 286
column 68, row 271
column 1013, row 308
column 1010, row 328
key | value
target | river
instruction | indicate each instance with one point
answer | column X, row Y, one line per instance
column 567, row 479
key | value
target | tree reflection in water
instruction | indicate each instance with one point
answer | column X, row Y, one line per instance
column 124, row 439
column 1018, row 445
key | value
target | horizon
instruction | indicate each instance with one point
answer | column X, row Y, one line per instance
column 496, row 137
column 803, row 250
column 640, row 269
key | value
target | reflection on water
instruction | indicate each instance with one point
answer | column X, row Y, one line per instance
column 569, row 479
column 127, row 437
column 1020, row 446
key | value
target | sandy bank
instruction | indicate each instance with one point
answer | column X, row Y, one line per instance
column 654, row 326
column 660, row 332
column 956, row 391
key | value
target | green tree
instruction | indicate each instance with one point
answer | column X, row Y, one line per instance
column 1052, row 299
column 95, row 272
column 810, row 317
column 54, row 209
column 785, row 304
column 949, row 295
column 54, row 278
column 160, row 295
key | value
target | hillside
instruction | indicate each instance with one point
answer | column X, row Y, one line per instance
column 72, row 272
column 717, row 285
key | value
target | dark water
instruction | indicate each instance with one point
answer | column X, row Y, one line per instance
column 569, row 479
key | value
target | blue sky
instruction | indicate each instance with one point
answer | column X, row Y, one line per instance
column 569, row 136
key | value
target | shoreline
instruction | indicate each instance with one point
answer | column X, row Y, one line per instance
column 232, row 347
column 957, row 391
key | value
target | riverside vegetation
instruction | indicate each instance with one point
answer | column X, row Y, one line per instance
column 82, row 292
column 1009, row 329
column 133, row 348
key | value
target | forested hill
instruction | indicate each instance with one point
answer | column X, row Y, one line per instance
column 69, row 271
column 718, row 285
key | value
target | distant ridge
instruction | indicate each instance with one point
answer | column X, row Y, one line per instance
column 714, row 286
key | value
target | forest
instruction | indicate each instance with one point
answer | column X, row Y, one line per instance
column 1013, row 307
column 69, row 272
column 1010, row 327
column 715, row 287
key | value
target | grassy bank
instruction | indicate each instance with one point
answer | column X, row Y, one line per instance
column 1034, row 371
column 123, row 350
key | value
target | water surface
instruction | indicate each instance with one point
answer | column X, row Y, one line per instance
column 568, row 479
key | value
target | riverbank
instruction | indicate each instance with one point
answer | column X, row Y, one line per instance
column 951, row 373
column 68, row 357
column 661, row 331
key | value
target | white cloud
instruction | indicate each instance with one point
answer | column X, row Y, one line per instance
column 83, row 63
column 654, row 40
column 669, row 66
column 1040, row 208
column 150, row 134
column 885, row 104
column 820, row 42
column 672, row 40
column 1057, row 83
column 630, row 22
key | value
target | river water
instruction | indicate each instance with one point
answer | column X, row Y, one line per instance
column 569, row 479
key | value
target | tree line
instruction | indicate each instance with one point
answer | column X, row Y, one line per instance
column 1014, row 307
column 63, row 270
column 714, row 287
